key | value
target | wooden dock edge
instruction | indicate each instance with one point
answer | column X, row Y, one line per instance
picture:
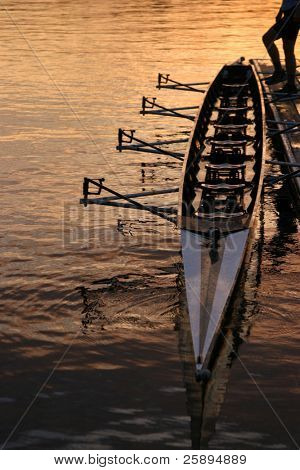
column 289, row 154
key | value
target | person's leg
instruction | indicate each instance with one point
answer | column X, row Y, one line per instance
column 269, row 39
column 290, row 60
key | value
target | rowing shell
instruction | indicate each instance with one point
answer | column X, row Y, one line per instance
column 219, row 195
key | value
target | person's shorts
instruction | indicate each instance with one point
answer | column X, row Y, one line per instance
column 287, row 28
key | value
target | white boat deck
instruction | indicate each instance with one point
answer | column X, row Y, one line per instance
column 209, row 284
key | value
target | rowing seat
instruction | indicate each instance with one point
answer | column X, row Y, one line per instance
column 219, row 215
column 234, row 134
column 233, row 109
column 228, row 142
column 225, row 166
column 218, row 125
column 228, row 96
column 230, row 102
column 235, row 85
column 233, row 119
column 221, row 186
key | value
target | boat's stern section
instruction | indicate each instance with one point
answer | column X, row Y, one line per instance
column 210, row 278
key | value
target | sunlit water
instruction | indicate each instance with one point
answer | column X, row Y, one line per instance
column 90, row 355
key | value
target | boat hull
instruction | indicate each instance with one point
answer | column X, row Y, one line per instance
column 218, row 199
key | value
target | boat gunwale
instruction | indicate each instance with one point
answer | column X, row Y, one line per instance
column 189, row 145
column 263, row 146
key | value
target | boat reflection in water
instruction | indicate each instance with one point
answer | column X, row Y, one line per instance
column 204, row 400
